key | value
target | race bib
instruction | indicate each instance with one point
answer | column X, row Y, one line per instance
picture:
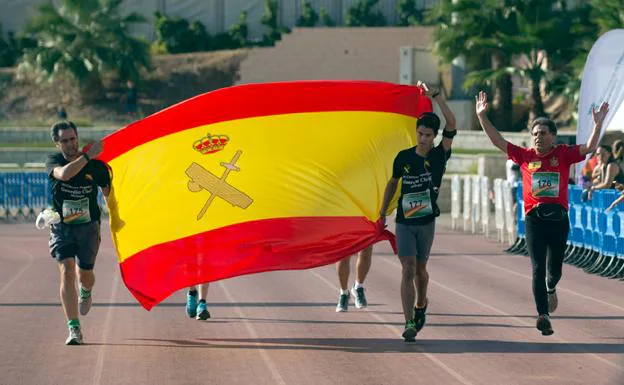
column 76, row 212
column 545, row 184
column 416, row 205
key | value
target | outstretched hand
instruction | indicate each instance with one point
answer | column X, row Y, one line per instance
column 600, row 114
column 481, row 103
column 427, row 91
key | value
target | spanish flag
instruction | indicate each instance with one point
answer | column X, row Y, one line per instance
column 254, row 178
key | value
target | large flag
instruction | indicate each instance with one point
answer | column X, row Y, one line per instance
column 254, row 178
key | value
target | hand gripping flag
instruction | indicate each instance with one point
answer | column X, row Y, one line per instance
column 254, row 178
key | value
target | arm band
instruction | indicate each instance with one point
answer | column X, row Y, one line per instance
column 88, row 159
column 449, row 134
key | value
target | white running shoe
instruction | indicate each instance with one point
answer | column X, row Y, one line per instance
column 75, row 336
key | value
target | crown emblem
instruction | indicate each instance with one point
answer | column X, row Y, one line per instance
column 211, row 143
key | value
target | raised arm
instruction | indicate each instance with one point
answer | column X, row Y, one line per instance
column 615, row 203
column 495, row 137
column 599, row 117
column 447, row 140
column 72, row 168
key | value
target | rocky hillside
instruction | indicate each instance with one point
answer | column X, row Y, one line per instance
column 174, row 79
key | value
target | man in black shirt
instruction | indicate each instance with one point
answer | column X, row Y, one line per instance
column 420, row 170
column 75, row 180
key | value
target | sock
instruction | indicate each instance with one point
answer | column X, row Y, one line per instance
column 344, row 292
column 357, row 285
column 193, row 293
column 202, row 301
column 73, row 323
column 84, row 293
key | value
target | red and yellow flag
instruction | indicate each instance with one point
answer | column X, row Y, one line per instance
column 254, row 178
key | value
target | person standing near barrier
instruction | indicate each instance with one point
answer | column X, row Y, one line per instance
column 420, row 170
column 607, row 172
column 75, row 178
column 545, row 169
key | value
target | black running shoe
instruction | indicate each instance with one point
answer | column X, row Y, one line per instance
column 420, row 316
column 544, row 325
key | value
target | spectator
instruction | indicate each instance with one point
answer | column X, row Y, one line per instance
column 131, row 98
column 606, row 172
column 61, row 113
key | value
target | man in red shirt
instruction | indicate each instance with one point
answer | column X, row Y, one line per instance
column 545, row 169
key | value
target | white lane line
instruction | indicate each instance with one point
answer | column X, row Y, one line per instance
column 531, row 278
column 393, row 329
column 99, row 364
column 252, row 332
column 519, row 320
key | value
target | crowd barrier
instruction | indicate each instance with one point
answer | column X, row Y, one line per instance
column 595, row 240
column 24, row 194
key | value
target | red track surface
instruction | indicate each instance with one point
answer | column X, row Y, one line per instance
column 281, row 328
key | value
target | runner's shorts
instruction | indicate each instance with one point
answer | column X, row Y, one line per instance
column 415, row 240
column 78, row 241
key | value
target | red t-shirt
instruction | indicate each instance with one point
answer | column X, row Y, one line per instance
column 545, row 177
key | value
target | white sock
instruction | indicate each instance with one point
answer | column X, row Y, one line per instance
column 344, row 292
column 357, row 285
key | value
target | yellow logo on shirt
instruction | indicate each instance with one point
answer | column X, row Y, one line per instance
column 535, row 165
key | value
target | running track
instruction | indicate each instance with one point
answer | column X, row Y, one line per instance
column 281, row 328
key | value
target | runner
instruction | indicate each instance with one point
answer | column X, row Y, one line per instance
column 194, row 308
column 75, row 180
column 420, row 170
column 362, row 268
column 545, row 169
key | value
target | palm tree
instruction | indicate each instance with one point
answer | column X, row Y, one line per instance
column 86, row 38
column 478, row 30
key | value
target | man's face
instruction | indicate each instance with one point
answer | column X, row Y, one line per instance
column 425, row 137
column 68, row 143
column 543, row 139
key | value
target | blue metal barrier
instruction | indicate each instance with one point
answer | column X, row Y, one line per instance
column 596, row 238
column 26, row 193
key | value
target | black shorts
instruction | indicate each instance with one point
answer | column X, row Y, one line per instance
column 79, row 241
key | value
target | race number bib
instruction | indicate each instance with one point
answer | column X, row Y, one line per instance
column 416, row 205
column 545, row 184
column 76, row 212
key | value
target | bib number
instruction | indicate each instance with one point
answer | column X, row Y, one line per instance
column 417, row 205
column 76, row 212
column 545, row 184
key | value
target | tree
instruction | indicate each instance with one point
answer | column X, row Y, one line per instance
column 85, row 39
column 271, row 22
column 590, row 21
column 409, row 13
column 239, row 32
column 326, row 18
column 477, row 30
column 607, row 14
column 178, row 36
column 309, row 17
column 363, row 14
